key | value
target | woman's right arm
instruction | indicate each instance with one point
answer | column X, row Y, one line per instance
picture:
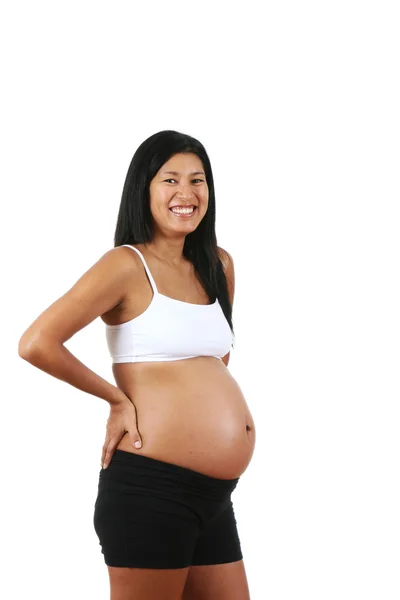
column 99, row 290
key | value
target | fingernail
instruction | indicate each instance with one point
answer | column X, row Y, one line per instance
column 138, row 444
column 104, row 466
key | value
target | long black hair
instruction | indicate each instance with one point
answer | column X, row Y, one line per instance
column 135, row 223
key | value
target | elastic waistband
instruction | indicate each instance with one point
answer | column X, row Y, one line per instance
column 140, row 460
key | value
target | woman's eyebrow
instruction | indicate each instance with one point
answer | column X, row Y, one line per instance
column 176, row 172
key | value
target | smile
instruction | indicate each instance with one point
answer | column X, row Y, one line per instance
column 183, row 212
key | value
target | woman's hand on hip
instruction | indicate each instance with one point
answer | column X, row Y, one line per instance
column 122, row 419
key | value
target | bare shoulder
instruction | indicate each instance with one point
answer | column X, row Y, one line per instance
column 100, row 289
column 226, row 259
column 229, row 270
column 111, row 269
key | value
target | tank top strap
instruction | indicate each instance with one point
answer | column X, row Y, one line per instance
column 153, row 284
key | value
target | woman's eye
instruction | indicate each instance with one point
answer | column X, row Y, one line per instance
column 175, row 180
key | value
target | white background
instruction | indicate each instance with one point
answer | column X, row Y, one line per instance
column 297, row 104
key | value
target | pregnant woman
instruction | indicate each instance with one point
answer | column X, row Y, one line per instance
column 179, row 433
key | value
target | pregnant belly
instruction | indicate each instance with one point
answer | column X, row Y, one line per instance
column 192, row 414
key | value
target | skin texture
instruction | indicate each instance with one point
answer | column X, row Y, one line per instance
column 214, row 582
column 217, row 582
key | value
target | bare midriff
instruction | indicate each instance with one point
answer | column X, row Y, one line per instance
column 191, row 413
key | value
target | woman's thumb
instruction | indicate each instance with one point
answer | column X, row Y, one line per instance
column 135, row 439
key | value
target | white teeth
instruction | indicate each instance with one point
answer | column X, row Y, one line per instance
column 184, row 211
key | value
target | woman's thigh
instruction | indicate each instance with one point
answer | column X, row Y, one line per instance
column 146, row 584
column 217, row 582
column 217, row 571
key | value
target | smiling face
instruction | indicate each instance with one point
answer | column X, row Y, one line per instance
column 180, row 183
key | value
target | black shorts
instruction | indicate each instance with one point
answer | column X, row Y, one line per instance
column 153, row 514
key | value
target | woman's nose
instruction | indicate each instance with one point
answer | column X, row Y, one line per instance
column 185, row 191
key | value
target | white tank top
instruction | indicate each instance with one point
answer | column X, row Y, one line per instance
column 170, row 329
